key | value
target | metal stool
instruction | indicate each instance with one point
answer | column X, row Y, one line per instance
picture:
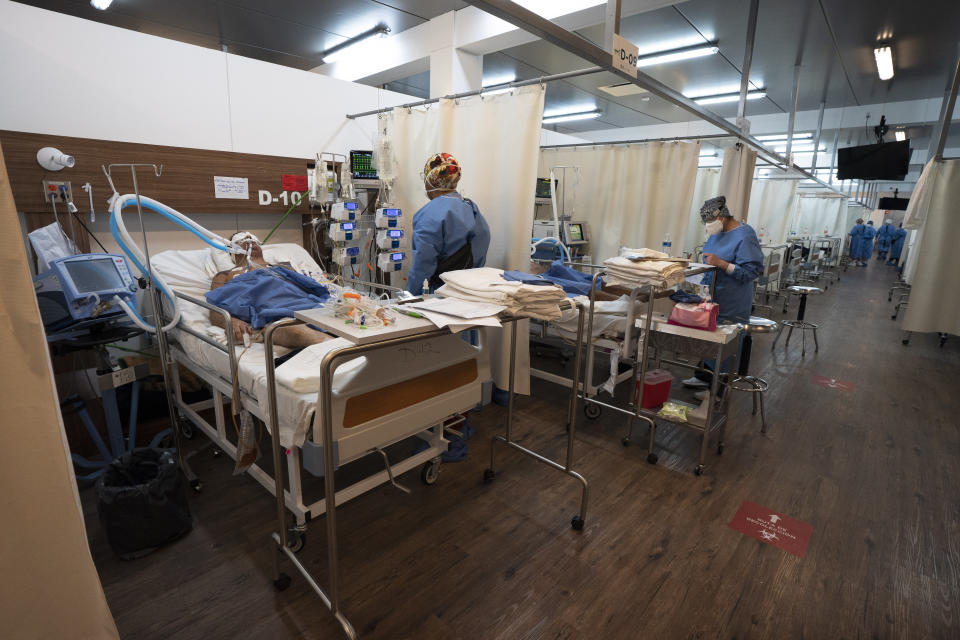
column 743, row 380
column 799, row 323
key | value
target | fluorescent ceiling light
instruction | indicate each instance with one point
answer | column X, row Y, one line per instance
column 729, row 97
column 567, row 117
column 101, row 4
column 900, row 135
column 495, row 92
column 495, row 80
column 803, row 146
column 884, row 58
column 784, row 136
column 336, row 52
column 673, row 55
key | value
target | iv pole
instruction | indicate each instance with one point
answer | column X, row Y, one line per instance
column 162, row 345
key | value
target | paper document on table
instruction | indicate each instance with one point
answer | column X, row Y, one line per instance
column 455, row 324
column 457, row 308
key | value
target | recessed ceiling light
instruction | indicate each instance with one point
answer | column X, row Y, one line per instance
column 884, row 57
column 673, row 55
column 623, row 89
column 900, row 135
column 729, row 97
column 337, row 51
column 567, row 117
column 101, row 4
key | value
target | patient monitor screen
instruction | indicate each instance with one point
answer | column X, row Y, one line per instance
column 575, row 231
column 94, row 275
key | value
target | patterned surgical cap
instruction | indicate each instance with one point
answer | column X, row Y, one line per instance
column 442, row 172
column 714, row 208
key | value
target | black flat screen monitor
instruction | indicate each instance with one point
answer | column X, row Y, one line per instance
column 887, row 161
column 543, row 187
column 893, row 204
column 361, row 165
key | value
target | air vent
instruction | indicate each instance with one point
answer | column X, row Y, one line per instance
column 623, row 89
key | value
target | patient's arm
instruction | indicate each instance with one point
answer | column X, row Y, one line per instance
column 216, row 319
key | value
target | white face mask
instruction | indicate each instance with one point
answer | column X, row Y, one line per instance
column 714, row 227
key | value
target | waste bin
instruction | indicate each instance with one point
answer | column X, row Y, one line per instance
column 142, row 502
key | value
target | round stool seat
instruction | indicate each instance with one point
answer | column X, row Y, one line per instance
column 749, row 384
column 802, row 290
column 756, row 324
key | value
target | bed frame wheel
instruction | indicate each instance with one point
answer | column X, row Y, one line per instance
column 196, row 485
column 577, row 523
column 282, row 583
column 217, row 453
column 296, row 541
column 430, row 472
column 653, row 458
column 488, row 476
column 186, row 429
column 625, row 441
column 698, row 471
column 592, row 411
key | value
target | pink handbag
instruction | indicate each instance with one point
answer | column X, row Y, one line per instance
column 696, row 316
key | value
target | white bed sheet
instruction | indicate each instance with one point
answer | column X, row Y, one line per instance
column 191, row 272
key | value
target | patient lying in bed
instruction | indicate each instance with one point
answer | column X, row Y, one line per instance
column 250, row 300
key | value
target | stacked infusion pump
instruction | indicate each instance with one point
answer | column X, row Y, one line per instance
column 349, row 230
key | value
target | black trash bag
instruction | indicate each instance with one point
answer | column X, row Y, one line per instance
column 142, row 502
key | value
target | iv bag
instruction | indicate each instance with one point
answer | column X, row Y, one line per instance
column 383, row 158
column 50, row 243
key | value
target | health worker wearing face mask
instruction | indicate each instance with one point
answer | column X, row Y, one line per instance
column 735, row 250
column 448, row 232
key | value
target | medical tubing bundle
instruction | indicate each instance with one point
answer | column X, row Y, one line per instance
column 126, row 243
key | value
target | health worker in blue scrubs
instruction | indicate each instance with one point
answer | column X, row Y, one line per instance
column 733, row 248
column 449, row 233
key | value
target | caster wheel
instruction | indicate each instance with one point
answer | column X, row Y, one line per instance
column 282, row 583
column 186, row 429
column 577, row 523
column 592, row 411
column 625, row 442
column 653, row 458
column 196, row 485
column 488, row 476
column 698, row 471
column 720, row 449
column 296, row 541
column 217, row 453
column 430, row 472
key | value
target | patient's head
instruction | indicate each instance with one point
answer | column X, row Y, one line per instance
column 250, row 244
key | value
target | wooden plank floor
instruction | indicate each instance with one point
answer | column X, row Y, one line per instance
column 875, row 471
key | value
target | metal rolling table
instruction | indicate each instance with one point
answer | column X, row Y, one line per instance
column 656, row 333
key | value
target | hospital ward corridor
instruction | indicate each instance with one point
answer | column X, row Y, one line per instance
column 872, row 467
column 480, row 320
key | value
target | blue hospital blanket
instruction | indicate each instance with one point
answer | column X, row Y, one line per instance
column 573, row 282
column 262, row 296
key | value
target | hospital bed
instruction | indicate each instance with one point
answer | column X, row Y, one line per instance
column 374, row 402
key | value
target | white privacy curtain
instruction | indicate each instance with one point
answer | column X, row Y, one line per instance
column 818, row 216
column 496, row 140
column 773, row 204
column 707, row 186
column 736, row 178
column 935, row 293
column 631, row 195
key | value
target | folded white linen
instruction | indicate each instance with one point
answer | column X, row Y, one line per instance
column 487, row 279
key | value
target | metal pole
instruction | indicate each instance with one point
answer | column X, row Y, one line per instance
column 948, row 114
column 747, row 62
column 816, row 138
column 476, row 92
column 611, row 23
column 793, row 111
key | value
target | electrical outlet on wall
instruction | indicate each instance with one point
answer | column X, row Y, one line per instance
column 60, row 188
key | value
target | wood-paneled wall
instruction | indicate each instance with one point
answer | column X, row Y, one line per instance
column 186, row 183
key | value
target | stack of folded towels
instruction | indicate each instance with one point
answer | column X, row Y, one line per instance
column 486, row 284
column 660, row 273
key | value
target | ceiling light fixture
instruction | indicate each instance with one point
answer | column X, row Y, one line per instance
column 673, row 55
column 729, row 97
column 900, row 135
column 335, row 52
column 783, row 136
column 491, row 87
column 567, row 117
column 101, row 4
column 884, row 58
